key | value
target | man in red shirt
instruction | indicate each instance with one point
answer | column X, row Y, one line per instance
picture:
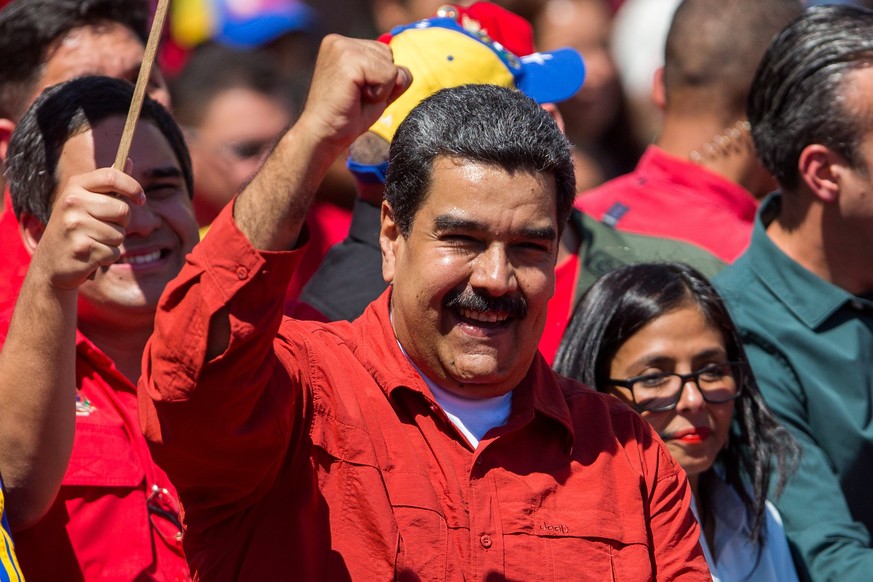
column 350, row 276
column 115, row 517
column 700, row 183
column 427, row 439
column 45, row 42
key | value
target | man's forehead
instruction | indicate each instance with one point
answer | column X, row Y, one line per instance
column 109, row 48
column 470, row 191
column 96, row 146
column 458, row 169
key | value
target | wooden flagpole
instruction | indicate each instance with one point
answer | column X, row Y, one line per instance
column 142, row 79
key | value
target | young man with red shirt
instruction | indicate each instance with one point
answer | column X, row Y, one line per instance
column 116, row 516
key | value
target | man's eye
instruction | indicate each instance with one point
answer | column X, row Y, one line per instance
column 534, row 246
column 246, row 150
column 162, row 190
column 458, row 238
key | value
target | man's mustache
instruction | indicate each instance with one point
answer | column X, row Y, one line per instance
column 513, row 305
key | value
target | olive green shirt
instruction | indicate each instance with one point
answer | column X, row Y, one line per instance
column 810, row 344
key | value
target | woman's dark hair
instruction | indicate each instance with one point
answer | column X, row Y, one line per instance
column 621, row 303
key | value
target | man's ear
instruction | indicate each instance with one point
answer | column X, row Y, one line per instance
column 31, row 229
column 7, row 126
column 389, row 237
column 820, row 169
column 555, row 114
column 659, row 91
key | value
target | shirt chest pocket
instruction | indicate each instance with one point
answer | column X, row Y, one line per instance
column 399, row 524
column 578, row 544
column 103, row 456
column 423, row 537
column 104, row 496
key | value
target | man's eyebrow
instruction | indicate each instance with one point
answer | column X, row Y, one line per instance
column 163, row 172
column 451, row 222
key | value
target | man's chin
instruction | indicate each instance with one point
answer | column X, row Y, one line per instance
column 483, row 381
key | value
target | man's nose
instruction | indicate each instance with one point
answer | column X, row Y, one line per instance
column 494, row 272
column 143, row 220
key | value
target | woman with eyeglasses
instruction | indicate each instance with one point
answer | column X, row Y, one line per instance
column 658, row 337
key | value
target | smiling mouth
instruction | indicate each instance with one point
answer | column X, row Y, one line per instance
column 482, row 311
column 143, row 259
column 487, row 318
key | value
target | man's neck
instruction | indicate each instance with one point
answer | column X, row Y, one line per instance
column 722, row 149
column 818, row 239
column 123, row 346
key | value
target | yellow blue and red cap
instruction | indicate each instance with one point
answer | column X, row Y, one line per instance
column 460, row 46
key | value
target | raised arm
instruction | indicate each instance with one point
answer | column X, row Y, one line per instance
column 37, row 363
column 218, row 409
column 353, row 83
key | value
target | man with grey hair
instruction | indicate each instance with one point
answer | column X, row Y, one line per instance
column 430, row 427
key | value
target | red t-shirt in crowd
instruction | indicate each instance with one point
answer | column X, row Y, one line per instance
column 673, row 198
column 560, row 307
column 13, row 266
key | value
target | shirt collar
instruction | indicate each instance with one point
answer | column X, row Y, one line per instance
column 376, row 346
column 809, row 297
column 91, row 359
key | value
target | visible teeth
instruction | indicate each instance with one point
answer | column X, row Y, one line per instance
column 141, row 259
column 484, row 317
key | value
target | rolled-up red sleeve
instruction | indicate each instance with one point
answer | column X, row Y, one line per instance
column 220, row 430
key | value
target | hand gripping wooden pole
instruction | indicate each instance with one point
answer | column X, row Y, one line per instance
column 142, row 79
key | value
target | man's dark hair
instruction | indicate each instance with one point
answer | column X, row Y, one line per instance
column 477, row 123
column 797, row 97
column 62, row 112
column 213, row 69
column 624, row 301
column 712, row 49
column 29, row 28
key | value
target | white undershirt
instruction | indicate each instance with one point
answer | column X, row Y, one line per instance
column 472, row 416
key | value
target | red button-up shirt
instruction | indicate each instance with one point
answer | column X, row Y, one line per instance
column 314, row 451
column 113, row 517
column 13, row 266
column 669, row 197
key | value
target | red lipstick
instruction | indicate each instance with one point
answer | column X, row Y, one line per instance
column 696, row 434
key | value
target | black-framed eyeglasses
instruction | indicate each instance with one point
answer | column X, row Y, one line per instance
column 718, row 383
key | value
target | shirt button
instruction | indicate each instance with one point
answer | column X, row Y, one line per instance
column 485, row 540
column 242, row 273
column 478, row 460
column 857, row 305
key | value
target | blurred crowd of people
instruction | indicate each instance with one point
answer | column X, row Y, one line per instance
column 321, row 324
